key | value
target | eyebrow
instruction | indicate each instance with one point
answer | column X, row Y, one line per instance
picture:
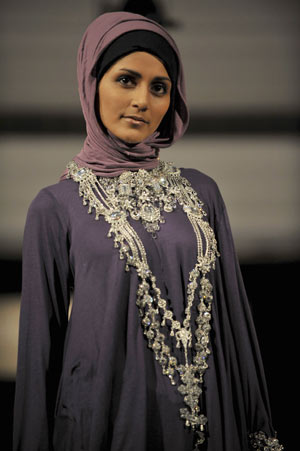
column 138, row 75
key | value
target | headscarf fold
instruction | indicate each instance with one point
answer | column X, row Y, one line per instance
column 103, row 152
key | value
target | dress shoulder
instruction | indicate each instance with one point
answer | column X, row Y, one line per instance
column 199, row 176
column 207, row 190
column 53, row 199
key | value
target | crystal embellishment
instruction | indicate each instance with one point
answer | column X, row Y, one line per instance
column 124, row 189
column 260, row 441
column 145, row 195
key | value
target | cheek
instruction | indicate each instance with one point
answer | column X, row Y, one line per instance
column 107, row 103
column 111, row 102
column 161, row 109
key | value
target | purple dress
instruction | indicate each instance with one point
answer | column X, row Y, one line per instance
column 91, row 383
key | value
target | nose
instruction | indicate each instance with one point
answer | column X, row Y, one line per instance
column 140, row 98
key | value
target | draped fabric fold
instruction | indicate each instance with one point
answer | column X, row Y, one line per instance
column 107, row 371
column 91, row 381
column 103, row 152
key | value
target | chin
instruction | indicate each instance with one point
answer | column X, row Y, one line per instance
column 131, row 139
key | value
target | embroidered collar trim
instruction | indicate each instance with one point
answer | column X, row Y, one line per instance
column 145, row 195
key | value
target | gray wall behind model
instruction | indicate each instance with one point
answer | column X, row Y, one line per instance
column 238, row 55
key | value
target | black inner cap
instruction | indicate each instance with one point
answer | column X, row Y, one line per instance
column 142, row 41
column 138, row 41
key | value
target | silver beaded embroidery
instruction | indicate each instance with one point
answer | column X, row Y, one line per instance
column 260, row 441
column 144, row 195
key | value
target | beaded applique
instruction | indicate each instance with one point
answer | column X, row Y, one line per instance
column 144, row 195
column 260, row 441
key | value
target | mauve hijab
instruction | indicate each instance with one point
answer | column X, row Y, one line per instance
column 103, row 152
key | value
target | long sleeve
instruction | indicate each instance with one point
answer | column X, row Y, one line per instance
column 236, row 396
column 237, row 346
column 43, row 322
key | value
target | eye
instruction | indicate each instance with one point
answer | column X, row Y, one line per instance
column 126, row 80
column 159, row 88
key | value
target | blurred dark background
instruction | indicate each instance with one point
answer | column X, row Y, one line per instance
column 242, row 72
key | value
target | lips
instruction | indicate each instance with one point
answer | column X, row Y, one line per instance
column 136, row 118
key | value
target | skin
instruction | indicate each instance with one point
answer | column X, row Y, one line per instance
column 134, row 96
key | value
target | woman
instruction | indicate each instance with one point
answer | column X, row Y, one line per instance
column 159, row 352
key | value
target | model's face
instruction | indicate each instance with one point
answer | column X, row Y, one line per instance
column 134, row 96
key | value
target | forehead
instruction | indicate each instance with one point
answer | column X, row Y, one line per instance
column 142, row 62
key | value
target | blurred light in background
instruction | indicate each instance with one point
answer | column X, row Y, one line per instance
column 242, row 71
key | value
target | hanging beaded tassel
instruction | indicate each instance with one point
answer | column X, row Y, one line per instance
column 143, row 195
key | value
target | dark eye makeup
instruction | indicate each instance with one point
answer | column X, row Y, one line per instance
column 126, row 80
column 158, row 87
